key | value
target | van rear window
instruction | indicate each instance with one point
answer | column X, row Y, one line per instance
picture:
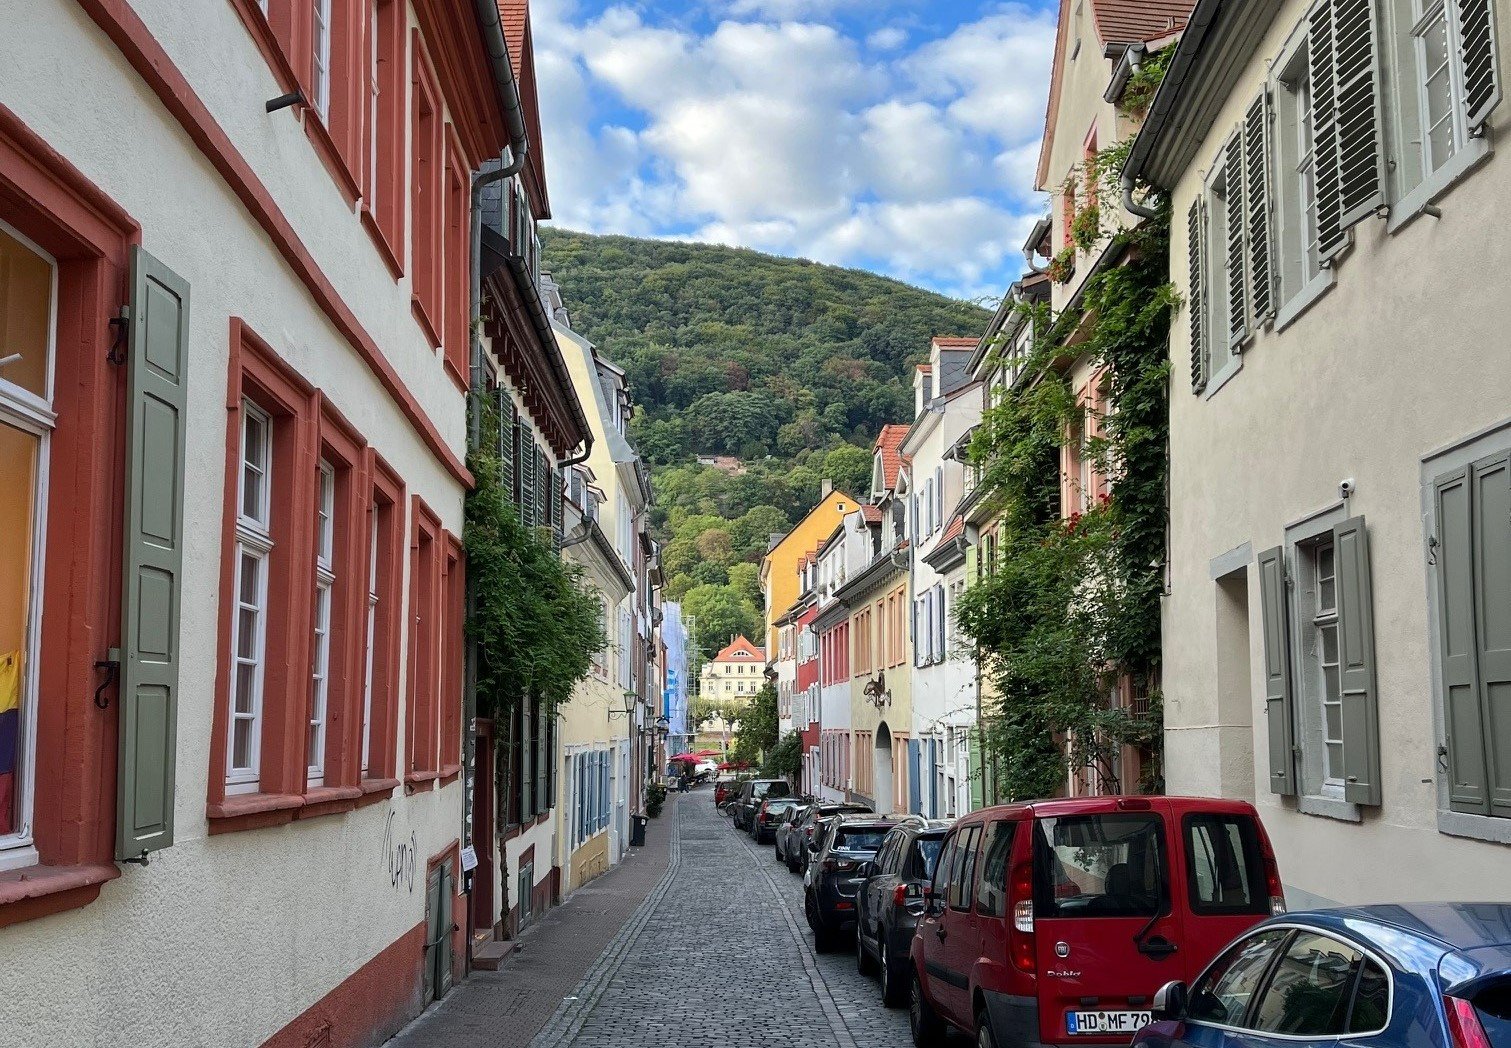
column 1100, row 866
column 1224, row 865
column 1494, row 1007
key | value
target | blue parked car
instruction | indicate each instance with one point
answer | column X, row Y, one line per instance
column 1431, row 975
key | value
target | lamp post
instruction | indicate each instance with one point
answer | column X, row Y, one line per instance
column 663, row 726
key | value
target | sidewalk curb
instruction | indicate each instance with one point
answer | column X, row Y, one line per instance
column 567, row 1021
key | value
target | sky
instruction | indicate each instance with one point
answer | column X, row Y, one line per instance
column 898, row 136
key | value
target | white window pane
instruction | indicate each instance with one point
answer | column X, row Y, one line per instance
column 241, row 745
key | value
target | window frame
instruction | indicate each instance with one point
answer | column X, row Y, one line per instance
column 422, row 765
column 31, row 415
column 427, row 125
column 323, row 620
column 254, row 534
column 1298, row 281
column 1216, row 265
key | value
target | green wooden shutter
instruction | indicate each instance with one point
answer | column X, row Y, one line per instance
column 542, row 480
column 1477, row 52
column 507, row 415
column 527, row 759
column 556, row 508
column 1356, row 664
column 1361, row 156
column 1277, row 670
column 1195, row 301
column 152, row 587
column 1321, row 69
column 1492, row 617
column 978, row 779
column 1238, row 295
column 1457, row 645
column 527, row 457
column 550, row 718
column 542, row 758
column 1256, row 191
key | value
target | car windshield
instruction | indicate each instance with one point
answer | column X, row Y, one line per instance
column 928, row 850
column 1110, row 865
column 859, row 838
column 762, row 790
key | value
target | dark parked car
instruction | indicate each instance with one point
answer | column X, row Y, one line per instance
column 804, row 835
column 891, row 900
column 768, row 813
column 751, row 794
column 835, row 874
column 1433, row 975
column 785, row 826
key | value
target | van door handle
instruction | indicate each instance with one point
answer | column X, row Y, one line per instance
column 1157, row 946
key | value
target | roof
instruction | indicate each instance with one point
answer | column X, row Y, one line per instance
column 515, row 14
column 1115, row 22
column 954, row 341
column 925, row 368
column 956, row 527
column 742, row 649
column 887, row 442
column 871, row 514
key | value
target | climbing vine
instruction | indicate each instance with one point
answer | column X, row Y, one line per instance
column 1068, row 606
column 533, row 620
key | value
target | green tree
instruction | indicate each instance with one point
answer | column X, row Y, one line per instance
column 721, row 614
column 757, row 732
column 850, row 469
column 745, row 579
column 753, row 531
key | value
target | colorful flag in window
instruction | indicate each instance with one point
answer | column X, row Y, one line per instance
column 10, row 733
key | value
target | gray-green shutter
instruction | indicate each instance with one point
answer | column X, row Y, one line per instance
column 1458, row 645
column 1321, row 70
column 152, row 589
column 1195, row 299
column 1238, row 295
column 1492, row 618
column 549, row 715
column 527, row 456
column 542, row 759
column 1356, row 664
column 556, row 508
column 1361, row 156
column 1477, row 52
column 507, row 414
column 542, row 479
column 527, row 759
column 1277, row 670
column 1256, row 191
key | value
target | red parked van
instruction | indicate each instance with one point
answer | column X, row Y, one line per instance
column 1054, row 922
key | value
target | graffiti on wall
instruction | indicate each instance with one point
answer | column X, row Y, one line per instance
column 399, row 855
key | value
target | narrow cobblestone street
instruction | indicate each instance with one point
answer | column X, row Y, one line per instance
column 720, row 954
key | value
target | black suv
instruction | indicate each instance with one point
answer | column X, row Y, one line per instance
column 768, row 813
column 804, row 838
column 834, row 874
column 890, row 902
column 752, row 793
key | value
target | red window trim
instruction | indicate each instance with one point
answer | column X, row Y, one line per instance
column 54, row 204
column 422, row 728
column 385, row 222
column 307, row 428
column 426, row 155
column 453, row 589
column 456, row 243
column 389, row 501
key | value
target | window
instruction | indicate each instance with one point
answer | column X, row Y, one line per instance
column 1225, row 865
column 1309, row 990
column 370, row 632
column 963, row 868
column 320, row 68
column 254, row 546
column 325, row 511
column 945, row 867
column 380, row 691
column 28, row 291
column 425, row 191
column 1473, row 568
column 991, row 893
column 1299, row 261
column 1100, row 866
column 383, row 205
column 1223, row 994
column 423, row 764
column 1319, row 648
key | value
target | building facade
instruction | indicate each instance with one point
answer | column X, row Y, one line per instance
column 1340, row 580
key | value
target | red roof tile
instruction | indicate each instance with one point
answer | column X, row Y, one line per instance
column 742, row 649
column 887, row 442
column 954, row 342
column 870, row 514
column 514, row 14
column 954, row 530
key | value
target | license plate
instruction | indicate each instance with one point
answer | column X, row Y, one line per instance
column 1106, row 1022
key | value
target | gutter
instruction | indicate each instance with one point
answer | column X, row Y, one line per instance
column 1203, row 17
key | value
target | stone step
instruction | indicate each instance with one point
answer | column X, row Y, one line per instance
column 490, row 955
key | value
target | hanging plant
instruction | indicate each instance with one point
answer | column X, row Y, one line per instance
column 1086, row 227
column 1063, row 266
column 533, row 619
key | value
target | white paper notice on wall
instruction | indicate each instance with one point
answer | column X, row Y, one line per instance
column 469, row 859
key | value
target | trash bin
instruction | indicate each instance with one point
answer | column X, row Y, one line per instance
column 637, row 831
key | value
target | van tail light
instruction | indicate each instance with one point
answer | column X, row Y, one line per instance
column 1464, row 1027
column 1021, row 895
column 1272, row 880
column 906, row 893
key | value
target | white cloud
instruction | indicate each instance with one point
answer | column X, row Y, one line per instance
column 779, row 134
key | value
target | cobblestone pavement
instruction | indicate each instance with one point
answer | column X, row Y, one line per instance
column 720, row 954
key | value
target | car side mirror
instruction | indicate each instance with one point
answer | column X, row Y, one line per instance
column 1169, row 1001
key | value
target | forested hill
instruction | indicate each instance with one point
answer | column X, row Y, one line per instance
column 788, row 365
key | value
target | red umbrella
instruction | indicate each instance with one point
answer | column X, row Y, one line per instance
column 734, row 765
column 708, row 753
column 689, row 758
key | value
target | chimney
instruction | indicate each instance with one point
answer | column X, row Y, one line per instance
column 825, row 486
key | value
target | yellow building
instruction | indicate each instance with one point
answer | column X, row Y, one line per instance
column 779, row 567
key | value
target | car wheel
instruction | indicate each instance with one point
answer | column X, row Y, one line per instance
column 923, row 1022
column 894, row 989
column 984, row 1036
column 863, row 962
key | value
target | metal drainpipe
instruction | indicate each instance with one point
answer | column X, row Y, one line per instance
column 509, row 101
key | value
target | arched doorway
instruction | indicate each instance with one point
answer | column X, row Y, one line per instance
column 882, row 765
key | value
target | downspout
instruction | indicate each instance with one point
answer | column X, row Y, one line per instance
column 1033, row 267
column 1135, row 60
column 508, row 96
